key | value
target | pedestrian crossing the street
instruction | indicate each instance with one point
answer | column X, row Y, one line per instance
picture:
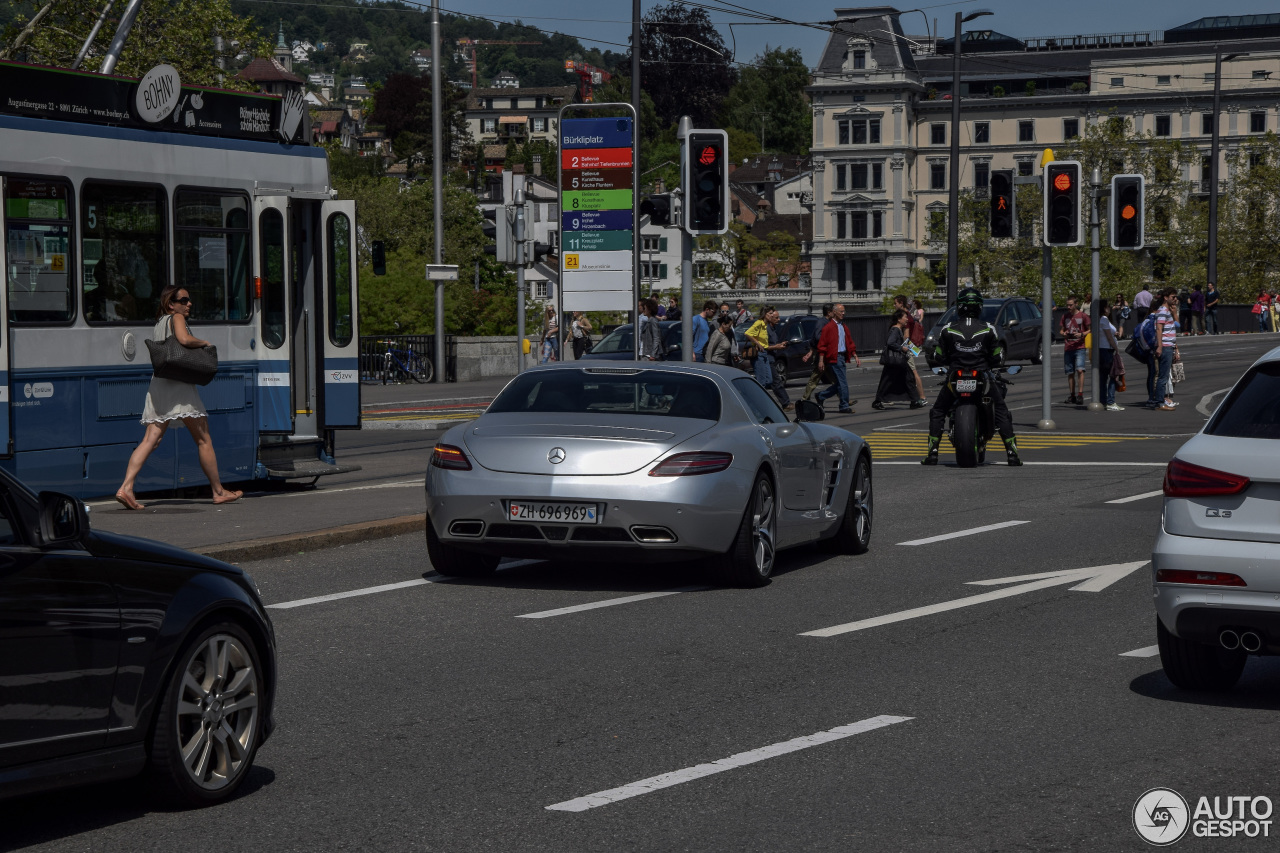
column 888, row 445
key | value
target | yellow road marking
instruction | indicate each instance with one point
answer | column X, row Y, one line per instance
column 884, row 446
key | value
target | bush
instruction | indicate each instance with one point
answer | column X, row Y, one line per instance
column 1078, row 87
column 1031, row 88
column 997, row 92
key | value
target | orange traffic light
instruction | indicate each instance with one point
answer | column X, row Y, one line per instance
column 1062, row 182
column 1128, row 212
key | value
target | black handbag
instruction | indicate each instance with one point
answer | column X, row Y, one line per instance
column 171, row 360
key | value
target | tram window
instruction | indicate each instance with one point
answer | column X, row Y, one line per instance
column 213, row 254
column 125, row 251
column 273, row 302
column 340, row 279
column 38, row 239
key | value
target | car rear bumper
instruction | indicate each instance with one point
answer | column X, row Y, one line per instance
column 1200, row 613
column 641, row 517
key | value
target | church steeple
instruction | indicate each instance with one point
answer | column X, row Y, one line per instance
column 283, row 53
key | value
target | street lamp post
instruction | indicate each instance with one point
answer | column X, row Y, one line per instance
column 953, row 203
column 1218, row 59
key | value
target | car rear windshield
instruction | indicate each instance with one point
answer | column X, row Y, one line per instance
column 611, row 391
column 1252, row 409
column 989, row 314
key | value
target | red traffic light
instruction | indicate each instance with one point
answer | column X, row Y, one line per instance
column 1062, row 182
column 708, row 155
column 1128, row 212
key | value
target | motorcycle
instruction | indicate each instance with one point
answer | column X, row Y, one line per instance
column 971, row 422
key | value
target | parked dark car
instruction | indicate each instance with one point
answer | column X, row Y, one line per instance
column 121, row 655
column 619, row 345
column 1017, row 322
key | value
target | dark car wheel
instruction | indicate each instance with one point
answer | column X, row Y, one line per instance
column 853, row 536
column 749, row 560
column 209, row 723
column 1037, row 358
column 1198, row 666
column 454, row 562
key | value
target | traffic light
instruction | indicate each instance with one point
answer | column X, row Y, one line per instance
column 1004, row 220
column 1062, row 204
column 657, row 208
column 706, row 185
column 498, row 229
column 1128, row 221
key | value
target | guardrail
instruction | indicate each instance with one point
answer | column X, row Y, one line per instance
column 375, row 366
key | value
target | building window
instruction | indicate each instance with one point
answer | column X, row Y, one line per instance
column 859, row 273
column 1206, row 167
column 1024, row 168
column 981, row 175
column 858, row 225
column 705, row 269
column 1070, row 128
column 843, row 129
column 877, row 224
column 1163, row 125
column 981, row 132
column 489, row 125
column 1259, row 74
column 877, row 176
column 842, row 283
column 1026, row 131
column 541, row 290
column 539, row 125
column 1208, row 76
column 937, row 226
column 859, row 59
column 938, row 134
column 937, row 176
column 653, row 269
column 1117, row 82
column 1206, row 124
column 841, row 232
column 842, row 178
column 859, row 171
column 864, row 131
column 649, row 244
column 876, row 268
column 1257, row 122
column 1162, row 80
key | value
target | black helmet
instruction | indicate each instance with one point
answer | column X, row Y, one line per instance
column 969, row 303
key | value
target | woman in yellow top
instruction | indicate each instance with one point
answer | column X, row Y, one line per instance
column 764, row 335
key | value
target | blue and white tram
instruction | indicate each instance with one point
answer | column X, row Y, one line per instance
column 97, row 218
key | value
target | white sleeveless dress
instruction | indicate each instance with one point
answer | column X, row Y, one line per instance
column 167, row 399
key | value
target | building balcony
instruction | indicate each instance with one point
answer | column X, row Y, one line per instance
column 854, row 244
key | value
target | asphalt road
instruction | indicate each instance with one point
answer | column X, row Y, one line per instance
column 434, row 717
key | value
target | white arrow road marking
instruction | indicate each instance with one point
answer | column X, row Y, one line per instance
column 1147, row 652
column 677, row 777
column 1095, row 580
column 971, row 531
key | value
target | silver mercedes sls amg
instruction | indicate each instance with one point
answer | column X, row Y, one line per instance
column 643, row 461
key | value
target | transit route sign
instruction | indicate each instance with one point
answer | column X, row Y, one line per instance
column 597, row 211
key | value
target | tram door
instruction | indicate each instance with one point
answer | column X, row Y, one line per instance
column 304, row 269
column 6, row 345
column 339, row 339
column 271, row 286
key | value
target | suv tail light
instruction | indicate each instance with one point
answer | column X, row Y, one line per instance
column 1204, row 578
column 686, row 464
column 449, row 457
column 1184, row 480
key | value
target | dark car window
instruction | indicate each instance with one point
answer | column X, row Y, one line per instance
column 1032, row 309
column 8, row 536
column 1252, row 409
column 619, row 340
column 645, row 392
column 810, row 326
column 989, row 313
column 758, row 402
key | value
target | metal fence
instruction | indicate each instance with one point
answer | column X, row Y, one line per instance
column 375, row 366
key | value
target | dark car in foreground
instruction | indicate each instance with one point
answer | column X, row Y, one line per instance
column 120, row 656
column 1017, row 322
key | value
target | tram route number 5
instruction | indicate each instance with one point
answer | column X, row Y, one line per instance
column 92, row 217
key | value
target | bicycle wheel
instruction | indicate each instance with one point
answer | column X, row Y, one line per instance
column 422, row 368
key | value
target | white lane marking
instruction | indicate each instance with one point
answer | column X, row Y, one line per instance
column 609, row 602
column 1203, row 406
column 1141, row 497
column 742, row 759
column 1094, row 579
column 1147, row 652
column 970, row 532
column 399, row 484
column 1063, row 464
column 369, row 590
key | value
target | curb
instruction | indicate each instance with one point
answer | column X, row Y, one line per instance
column 347, row 534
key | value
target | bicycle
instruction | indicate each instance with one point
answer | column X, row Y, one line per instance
column 416, row 366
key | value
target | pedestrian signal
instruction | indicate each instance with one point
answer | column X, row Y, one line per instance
column 1128, row 220
column 1062, row 204
column 706, row 182
column 1003, row 216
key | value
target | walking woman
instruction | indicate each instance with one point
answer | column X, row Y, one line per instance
column 721, row 344
column 650, row 331
column 581, row 334
column 169, row 400
column 550, row 336
column 896, row 379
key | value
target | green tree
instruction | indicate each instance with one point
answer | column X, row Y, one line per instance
column 1249, row 216
column 685, row 64
column 769, row 101
column 180, row 33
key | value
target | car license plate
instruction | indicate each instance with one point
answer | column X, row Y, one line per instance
column 539, row 511
column 964, row 386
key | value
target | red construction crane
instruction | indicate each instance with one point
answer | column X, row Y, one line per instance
column 469, row 46
column 588, row 76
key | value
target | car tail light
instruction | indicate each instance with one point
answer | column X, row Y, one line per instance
column 686, row 464
column 1203, row 578
column 1184, row 480
column 450, row 457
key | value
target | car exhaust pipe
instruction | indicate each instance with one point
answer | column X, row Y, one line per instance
column 652, row 535
column 1229, row 640
column 1250, row 642
column 466, row 528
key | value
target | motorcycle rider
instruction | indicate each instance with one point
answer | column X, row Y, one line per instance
column 971, row 344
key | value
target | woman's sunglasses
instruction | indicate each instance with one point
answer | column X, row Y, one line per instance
column 186, row 300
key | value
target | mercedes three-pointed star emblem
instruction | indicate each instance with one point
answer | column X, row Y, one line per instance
column 556, row 456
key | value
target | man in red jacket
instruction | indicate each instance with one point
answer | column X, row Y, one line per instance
column 835, row 348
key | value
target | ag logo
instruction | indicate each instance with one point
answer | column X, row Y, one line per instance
column 1161, row 816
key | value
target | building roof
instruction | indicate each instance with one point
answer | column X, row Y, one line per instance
column 756, row 170
column 321, row 116
column 795, row 225
column 475, row 96
column 869, row 23
column 263, row 70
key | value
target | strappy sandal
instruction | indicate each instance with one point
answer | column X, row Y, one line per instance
column 128, row 501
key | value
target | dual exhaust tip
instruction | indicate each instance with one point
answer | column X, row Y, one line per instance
column 1231, row 640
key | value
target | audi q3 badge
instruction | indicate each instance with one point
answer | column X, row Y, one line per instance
column 556, row 456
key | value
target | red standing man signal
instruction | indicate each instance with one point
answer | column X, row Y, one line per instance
column 708, row 155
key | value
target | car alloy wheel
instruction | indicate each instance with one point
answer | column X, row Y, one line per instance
column 862, row 504
column 763, row 516
column 217, row 711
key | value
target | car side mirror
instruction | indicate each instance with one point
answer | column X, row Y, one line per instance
column 1015, row 321
column 64, row 520
column 807, row 410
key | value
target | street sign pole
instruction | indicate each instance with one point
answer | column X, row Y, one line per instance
column 1095, row 397
column 1046, row 340
column 520, row 284
column 686, row 250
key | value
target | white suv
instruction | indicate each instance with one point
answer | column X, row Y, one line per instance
column 1216, row 561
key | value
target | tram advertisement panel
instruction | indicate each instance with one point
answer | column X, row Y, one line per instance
column 156, row 102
